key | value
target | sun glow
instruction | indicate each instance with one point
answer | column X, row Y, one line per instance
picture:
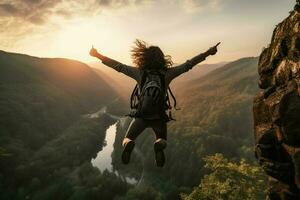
column 75, row 39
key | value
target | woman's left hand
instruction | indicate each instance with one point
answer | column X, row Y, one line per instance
column 213, row 50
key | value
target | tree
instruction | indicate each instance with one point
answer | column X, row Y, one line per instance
column 229, row 180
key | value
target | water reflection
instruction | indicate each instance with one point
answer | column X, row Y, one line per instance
column 103, row 160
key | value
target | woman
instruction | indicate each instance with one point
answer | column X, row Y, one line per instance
column 153, row 75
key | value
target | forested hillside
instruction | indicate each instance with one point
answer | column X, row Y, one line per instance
column 42, row 96
column 46, row 144
column 218, row 107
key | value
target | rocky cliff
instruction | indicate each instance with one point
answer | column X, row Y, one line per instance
column 277, row 110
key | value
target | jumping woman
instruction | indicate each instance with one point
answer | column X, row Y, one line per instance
column 150, row 101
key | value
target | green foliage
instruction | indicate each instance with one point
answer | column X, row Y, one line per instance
column 3, row 152
column 229, row 180
column 86, row 182
column 61, row 169
column 142, row 192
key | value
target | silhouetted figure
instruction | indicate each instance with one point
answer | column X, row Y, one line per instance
column 150, row 98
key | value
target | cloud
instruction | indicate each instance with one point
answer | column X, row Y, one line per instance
column 39, row 11
column 20, row 18
column 198, row 5
column 34, row 11
column 8, row 8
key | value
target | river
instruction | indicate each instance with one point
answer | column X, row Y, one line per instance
column 103, row 160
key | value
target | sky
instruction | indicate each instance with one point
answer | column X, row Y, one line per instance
column 181, row 28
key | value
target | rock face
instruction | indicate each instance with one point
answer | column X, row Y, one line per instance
column 277, row 110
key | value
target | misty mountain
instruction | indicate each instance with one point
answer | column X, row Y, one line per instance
column 216, row 112
column 39, row 93
column 121, row 83
column 198, row 72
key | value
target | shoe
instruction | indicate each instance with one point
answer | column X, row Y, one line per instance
column 159, row 146
column 128, row 147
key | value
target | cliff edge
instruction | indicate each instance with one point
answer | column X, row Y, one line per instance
column 277, row 110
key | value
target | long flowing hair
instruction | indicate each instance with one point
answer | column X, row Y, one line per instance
column 149, row 57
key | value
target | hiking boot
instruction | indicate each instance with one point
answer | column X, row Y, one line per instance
column 159, row 146
column 128, row 145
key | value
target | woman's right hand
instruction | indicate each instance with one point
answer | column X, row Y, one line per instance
column 94, row 52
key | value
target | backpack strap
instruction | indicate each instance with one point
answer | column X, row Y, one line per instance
column 168, row 102
column 133, row 97
column 174, row 99
column 143, row 79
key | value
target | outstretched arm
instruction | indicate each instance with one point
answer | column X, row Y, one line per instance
column 189, row 64
column 132, row 72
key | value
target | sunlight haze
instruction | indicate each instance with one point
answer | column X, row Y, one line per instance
column 181, row 28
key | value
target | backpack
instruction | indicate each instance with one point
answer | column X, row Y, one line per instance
column 150, row 100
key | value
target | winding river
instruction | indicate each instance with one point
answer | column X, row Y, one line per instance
column 103, row 160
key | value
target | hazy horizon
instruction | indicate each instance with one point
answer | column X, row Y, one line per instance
column 181, row 28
